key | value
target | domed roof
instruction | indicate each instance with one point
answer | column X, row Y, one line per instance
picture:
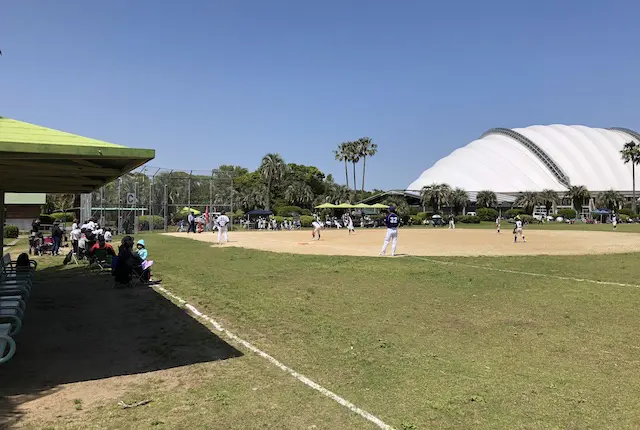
column 536, row 158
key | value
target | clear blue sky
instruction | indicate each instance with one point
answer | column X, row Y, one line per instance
column 224, row 82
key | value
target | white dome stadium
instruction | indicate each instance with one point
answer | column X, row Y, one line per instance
column 536, row 158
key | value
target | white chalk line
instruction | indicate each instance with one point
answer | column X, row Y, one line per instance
column 300, row 377
column 518, row 272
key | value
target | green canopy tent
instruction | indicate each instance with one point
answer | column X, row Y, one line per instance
column 35, row 159
column 344, row 206
column 185, row 211
column 326, row 206
column 379, row 206
column 362, row 206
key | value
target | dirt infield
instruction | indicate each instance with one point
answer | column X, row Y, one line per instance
column 431, row 242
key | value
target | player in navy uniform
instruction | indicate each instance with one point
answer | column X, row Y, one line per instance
column 392, row 221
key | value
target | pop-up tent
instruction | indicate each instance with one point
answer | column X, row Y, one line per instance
column 36, row 159
column 326, row 206
column 259, row 212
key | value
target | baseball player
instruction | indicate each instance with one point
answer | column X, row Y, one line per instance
column 517, row 231
column 349, row 223
column 223, row 228
column 498, row 224
column 317, row 226
column 392, row 221
column 614, row 221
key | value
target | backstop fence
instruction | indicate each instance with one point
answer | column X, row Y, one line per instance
column 153, row 198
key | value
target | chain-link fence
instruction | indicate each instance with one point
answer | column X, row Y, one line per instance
column 161, row 199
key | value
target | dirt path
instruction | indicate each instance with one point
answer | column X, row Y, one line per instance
column 432, row 242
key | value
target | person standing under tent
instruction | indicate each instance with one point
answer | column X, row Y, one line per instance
column 192, row 223
column 56, row 235
column 392, row 221
column 223, row 227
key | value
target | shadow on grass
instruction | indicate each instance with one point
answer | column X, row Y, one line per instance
column 79, row 328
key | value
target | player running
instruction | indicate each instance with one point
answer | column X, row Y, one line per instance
column 614, row 221
column 222, row 223
column 517, row 231
column 317, row 226
column 498, row 224
column 392, row 221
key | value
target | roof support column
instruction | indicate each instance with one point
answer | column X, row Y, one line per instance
column 1, row 221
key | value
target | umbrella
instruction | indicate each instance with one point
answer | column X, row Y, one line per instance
column 362, row 206
column 187, row 210
column 436, row 216
column 379, row 206
column 344, row 206
column 326, row 206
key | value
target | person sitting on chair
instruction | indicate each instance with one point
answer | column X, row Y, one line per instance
column 142, row 250
column 127, row 260
column 101, row 245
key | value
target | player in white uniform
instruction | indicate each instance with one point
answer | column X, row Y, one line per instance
column 517, row 231
column 614, row 221
column 498, row 224
column 350, row 226
column 317, row 226
column 223, row 227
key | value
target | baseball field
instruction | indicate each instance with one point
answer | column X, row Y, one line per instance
column 464, row 330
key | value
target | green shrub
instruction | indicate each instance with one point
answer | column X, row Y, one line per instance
column 156, row 220
column 238, row 213
column 527, row 218
column 11, row 231
column 63, row 217
column 306, row 220
column 287, row 210
column 46, row 219
column 487, row 214
column 624, row 218
column 567, row 213
column 279, row 219
column 511, row 213
column 416, row 220
column 628, row 212
column 305, row 212
column 469, row 219
column 424, row 215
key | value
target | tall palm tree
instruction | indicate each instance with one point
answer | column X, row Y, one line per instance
column 610, row 199
column 486, row 199
column 528, row 200
column 577, row 194
column 272, row 169
column 631, row 154
column 342, row 154
column 299, row 193
column 548, row 198
column 366, row 149
column 353, row 153
column 436, row 195
column 458, row 200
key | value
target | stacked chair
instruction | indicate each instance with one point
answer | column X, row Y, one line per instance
column 15, row 288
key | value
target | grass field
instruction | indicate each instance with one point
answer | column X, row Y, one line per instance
column 418, row 343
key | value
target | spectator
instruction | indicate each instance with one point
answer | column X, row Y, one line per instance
column 100, row 245
column 56, row 235
column 142, row 250
column 127, row 260
column 108, row 237
column 35, row 226
column 75, row 224
column 192, row 223
column 75, row 237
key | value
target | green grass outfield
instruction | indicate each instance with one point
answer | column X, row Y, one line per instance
column 420, row 344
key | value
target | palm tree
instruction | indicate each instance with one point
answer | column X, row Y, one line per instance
column 528, row 200
column 548, row 198
column 435, row 195
column 577, row 194
column 458, row 200
column 486, row 199
column 299, row 193
column 366, row 149
column 353, row 154
column 272, row 169
column 631, row 154
column 342, row 154
column 610, row 199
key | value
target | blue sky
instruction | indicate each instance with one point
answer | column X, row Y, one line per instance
column 224, row 82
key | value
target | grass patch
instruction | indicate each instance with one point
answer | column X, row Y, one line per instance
column 419, row 344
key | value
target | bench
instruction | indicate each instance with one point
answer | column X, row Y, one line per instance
column 9, row 263
column 6, row 342
column 13, row 317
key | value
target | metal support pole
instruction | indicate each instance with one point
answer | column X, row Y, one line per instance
column 135, row 206
column 1, row 222
column 189, row 191
column 119, row 205
column 210, row 201
column 166, row 209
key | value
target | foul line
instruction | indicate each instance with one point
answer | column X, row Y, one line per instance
column 300, row 377
column 517, row 272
